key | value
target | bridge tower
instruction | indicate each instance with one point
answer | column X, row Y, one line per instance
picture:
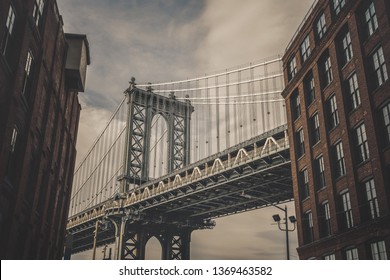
column 135, row 230
column 143, row 105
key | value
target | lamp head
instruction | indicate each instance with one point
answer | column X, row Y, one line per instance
column 276, row 218
column 292, row 219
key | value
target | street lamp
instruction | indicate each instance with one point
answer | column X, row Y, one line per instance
column 292, row 219
column 277, row 219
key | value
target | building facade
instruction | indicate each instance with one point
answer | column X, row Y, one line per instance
column 39, row 115
column 338, row 106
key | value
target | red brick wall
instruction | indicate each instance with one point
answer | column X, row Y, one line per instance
column 371, row 100
column 34, row 207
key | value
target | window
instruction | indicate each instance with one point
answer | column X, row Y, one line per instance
column 333, row 114
column 329, row 257
column 339, row 162
column 38, row 12
column 305, row 48
column 351, row 254
column 300, row 140
column 361, row 144
column 378, row 250
column 324, row 219
column 319, row 168
column 345, row 47
column 10, row 20
column 307, row 223
column 13, row 140
column 315, row 129
column 12, row 152
column 325, row 69
column 321, row 26
column 371, row 205
column 308, row 84
column 338, row 5
column 7, row 44
column 292, row 68
column 370, row 19
column 346, row 214
column 379, row 67
column 353, row 90
column 303, row 184
column 295, row 105
column 28, row 74
column 386, row 123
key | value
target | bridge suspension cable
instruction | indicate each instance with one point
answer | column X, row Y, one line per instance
column 230, row 107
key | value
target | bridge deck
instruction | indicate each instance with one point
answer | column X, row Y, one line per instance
column 253, row 175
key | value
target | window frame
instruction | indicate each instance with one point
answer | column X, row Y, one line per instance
column 351, row 253
column 309, row 88
column 352, row 85
column 308, row 227
column 305, row 48
column 325, row 70
column 345, row 46
column 346, row 207
column 325, row 218
column 338, row 155
column 319, row 169
column 12, row 150
column 8, row 37
column 295, row 105
column 371, row 199
column 321, row 27
column 28, row 74
column 329, row 257
column 300, row 142
column 292, row 68
column 39, row 7
column 370, row 19
column 385, row 117
column 379, row 68
column 378, row 254
column 328, row 71
column 362, row 151
column 338, row 6
column 315, row 128
column 333, row 113
column 303, row 182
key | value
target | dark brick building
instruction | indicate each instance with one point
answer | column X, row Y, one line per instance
column 338, row 106
column 41, row 72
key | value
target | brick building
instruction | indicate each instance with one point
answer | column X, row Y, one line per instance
column 41, row 72
column 338, row 106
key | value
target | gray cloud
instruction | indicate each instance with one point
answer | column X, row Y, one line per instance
column 168, row 40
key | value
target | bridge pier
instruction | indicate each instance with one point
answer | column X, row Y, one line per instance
column 175, row 241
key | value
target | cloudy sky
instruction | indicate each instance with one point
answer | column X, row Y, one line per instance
column 167, row 40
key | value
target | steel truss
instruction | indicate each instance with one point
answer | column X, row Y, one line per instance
column 171, row 207
column 130, row 233
column 143, row 106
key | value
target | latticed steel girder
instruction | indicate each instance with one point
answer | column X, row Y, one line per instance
column 174, row 241
column 223, row 196
column 129, row 234
column 191, row 196
column 259, row 165
column 143, row 106
column 213, row 188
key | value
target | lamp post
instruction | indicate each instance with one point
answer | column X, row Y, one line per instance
column 277, row 219
column 292, row 219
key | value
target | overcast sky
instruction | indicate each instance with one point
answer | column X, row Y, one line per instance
column 167, row 40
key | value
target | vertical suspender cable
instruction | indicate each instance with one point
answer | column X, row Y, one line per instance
column 227, row 109
column 208, row 120
column 217, row 116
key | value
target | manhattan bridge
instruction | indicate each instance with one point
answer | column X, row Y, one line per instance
column 176, row 155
